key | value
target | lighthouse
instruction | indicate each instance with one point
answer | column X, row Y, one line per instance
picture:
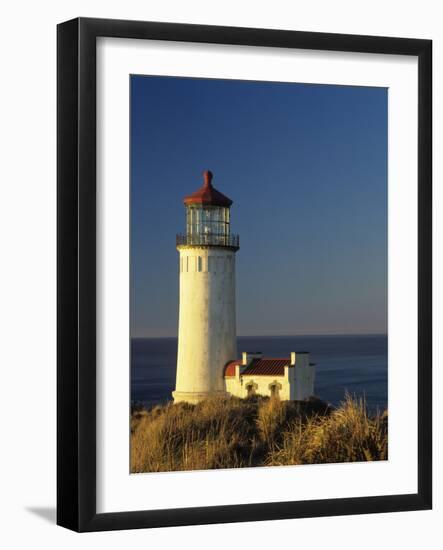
column 207, row 323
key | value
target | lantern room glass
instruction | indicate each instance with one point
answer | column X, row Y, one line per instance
column 207, row 224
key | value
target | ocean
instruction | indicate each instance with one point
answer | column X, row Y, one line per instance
column 354, row 364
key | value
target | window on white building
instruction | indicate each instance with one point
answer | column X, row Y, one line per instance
column 275, row 390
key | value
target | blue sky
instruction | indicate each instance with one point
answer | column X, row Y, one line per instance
column 306, row 167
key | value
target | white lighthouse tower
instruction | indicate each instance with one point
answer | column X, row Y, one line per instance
column 207, row 325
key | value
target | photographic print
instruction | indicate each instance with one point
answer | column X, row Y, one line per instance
column 258, row 260
column 223, row 268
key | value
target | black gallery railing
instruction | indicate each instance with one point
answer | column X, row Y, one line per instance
column 209, row 239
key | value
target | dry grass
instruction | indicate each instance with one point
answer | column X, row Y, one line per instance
column 212, row 434
column 235, row 433
column 348, row 434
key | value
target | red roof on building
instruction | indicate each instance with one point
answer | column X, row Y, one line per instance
column 259, row 367
column 207, row 194
column 230, row 367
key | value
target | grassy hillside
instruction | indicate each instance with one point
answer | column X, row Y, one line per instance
column 235, row 433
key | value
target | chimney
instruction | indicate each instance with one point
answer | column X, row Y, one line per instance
column 248, row 356
column 293, row 357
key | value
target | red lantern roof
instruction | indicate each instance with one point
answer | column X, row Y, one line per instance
column 207, row 195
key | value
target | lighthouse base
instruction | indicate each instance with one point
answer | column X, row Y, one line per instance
column 196, row 397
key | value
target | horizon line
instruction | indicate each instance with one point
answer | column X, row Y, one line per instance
column 278, row 335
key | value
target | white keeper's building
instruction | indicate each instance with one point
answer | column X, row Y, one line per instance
column 207, row 348
column 288, row 378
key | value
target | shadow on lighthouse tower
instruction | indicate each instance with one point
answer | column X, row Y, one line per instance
column 207, row 324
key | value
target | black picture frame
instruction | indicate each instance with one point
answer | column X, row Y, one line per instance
column 76, row 266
